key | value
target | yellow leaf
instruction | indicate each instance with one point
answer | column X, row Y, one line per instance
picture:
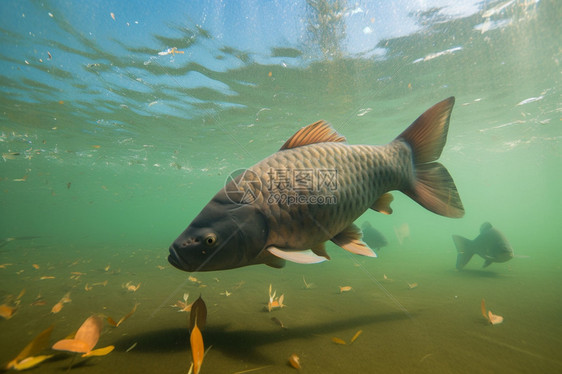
column 100, row 351
column 338, row 341
column 39, row 343
column 29, row 362
column 197, row 348
column 356, row 335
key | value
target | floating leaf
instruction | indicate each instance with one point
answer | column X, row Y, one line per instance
column 295, row 361
column 356, row 335
column 29, row 362
column 112, row 322
column 100, row 351
column 197, row 348
column 338, row 341
column 85, row 339
column 483, row 308
column 39, row 343
column 198, row 313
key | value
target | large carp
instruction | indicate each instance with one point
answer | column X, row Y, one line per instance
column 288, row 205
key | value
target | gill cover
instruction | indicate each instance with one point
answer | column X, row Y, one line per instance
column 225, row 235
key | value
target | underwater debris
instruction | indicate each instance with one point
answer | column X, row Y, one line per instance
column 58, row 306
column 183, row 305
column 308, row 286
column 26, row 359
column 275, row 302
column 338, row 341
column 7, row 311
column 354, row 338
column 345, row 289
column 112, row 322
column 412, row 285
column 198, row 314
column 197, row 321
column 197, row 348
column 490, row 317
column 129, row 286
column 278, row 322
column 170, row 51
column 295, row 361
column 85, row 339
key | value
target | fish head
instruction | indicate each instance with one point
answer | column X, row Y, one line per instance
column 225, row 235
column 501, row 249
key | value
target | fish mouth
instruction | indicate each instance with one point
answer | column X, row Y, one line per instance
column 175, row 260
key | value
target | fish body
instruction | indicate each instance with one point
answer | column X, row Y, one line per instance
column 288, row 205
column 373, row 237
column 491, row 245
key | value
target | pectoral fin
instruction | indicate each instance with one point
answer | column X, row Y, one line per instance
column 487, row 263
column 265, row 257
column 300, row 257
column 350, row 240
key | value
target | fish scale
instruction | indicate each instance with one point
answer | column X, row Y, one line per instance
column 364, row 173
column 260, row 218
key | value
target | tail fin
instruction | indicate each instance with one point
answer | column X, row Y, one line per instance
column 465, row 253
column 433, row 187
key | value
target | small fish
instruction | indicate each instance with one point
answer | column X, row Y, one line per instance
column 345, row 289
column 491, row 245
column 249, row 221
column 35, row 266
column 412, row 285
column 85, row 339
column 373, row 237
column 226, row 293
column 47, row 277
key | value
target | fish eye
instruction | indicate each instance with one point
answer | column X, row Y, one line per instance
column 210, row 239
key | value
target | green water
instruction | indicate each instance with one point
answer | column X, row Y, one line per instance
column 110, row 169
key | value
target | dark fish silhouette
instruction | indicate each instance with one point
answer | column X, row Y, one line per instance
column 491, row 245
column 373, row 237
column 288, row 205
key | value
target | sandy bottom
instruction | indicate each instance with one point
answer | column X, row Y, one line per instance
column 432, row 328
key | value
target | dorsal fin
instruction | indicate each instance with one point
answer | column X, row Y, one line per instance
column 318, row 132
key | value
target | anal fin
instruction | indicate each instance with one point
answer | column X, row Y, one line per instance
column 320, row 250
column 382, row 205
column 350, row 240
